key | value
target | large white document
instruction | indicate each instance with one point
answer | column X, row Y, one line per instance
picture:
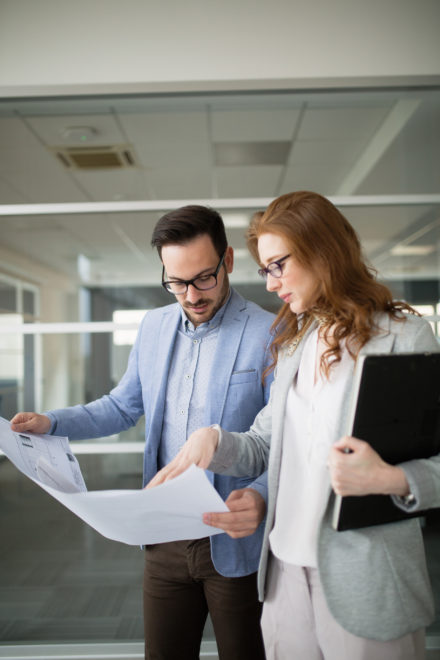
column 169, row 512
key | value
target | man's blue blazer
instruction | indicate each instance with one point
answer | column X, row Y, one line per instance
column 235, row 396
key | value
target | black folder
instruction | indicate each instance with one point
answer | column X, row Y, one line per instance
column 396, row 409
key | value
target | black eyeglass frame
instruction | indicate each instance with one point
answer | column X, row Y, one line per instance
column 269, row 270
column 166, row 283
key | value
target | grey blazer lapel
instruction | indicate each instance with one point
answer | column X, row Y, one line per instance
column 383, row 342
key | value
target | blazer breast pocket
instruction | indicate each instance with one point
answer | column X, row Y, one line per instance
column 244, row 399
column 245, row 376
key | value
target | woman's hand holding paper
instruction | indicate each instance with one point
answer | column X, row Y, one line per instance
column 198, row 449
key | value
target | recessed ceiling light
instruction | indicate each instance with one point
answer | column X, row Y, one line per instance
column 79, row 134
column 412, row 250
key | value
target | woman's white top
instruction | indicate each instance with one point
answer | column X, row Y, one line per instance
column 309, row 431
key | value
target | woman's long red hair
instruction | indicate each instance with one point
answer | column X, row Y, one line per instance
column 321, row 239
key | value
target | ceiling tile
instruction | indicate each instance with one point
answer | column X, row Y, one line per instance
column 174, row 154
column 181, row 183
column 38, row 176
column 250, row 153
column 129, row 183
column 383, row 222
column 340, row 123
column 34, row 244
column 9, row 195
column 257, row 181
column 253, row 125
column 165, row 127
column 318, row 178
column 325, row 152
column 14, row 134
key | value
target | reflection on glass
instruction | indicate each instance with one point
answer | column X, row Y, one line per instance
column 253, row 144
column 8, row 298
column 69, row 375
column 127, row 337
column 11, row 367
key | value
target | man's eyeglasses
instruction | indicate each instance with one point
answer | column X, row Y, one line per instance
column 201, row 282
column 275, row 268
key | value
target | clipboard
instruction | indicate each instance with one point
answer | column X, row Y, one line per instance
column 396, row 409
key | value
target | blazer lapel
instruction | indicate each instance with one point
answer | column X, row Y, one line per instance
column 228, row 343
column 380, row 343
column 165, row 338
column 287, row 370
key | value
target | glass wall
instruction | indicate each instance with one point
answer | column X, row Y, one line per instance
column 82, row 183
column 18, row 352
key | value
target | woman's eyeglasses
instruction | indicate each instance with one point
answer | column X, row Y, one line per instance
column 275, row 268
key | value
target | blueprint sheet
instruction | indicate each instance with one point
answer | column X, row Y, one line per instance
column 169, row 512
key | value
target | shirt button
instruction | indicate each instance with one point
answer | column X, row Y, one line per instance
column 195, row 341
column 182, row 412
column 188, row 376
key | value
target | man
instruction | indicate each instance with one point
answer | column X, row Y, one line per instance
column 195, row 363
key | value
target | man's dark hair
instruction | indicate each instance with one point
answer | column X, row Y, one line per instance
column 182, row 225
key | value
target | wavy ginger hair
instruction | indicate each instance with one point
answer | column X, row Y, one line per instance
column 322, row 240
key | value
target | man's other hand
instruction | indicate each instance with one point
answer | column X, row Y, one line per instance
column 247, row 509
column 31, row 422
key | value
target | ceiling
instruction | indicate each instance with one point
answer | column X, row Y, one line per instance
column 233, row 146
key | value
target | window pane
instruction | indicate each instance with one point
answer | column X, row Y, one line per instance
column 8, row 298
column 91, row 265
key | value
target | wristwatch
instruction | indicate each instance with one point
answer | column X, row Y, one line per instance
column 407, row 499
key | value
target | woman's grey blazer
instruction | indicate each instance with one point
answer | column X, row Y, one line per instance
column 375, row 579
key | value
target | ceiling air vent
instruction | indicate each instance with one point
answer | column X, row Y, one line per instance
column 96, row 158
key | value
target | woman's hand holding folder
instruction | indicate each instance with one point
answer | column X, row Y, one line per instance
column 357, row 469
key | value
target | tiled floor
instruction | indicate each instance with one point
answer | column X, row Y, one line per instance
column 60, row 581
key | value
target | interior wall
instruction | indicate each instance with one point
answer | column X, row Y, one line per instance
column 55, row 287
column 58, row 299
column 53, row 46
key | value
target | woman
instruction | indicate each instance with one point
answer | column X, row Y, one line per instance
column 361, row 594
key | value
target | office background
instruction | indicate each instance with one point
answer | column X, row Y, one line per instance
column 112, row 113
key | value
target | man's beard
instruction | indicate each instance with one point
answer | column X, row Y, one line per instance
column 189, row 309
